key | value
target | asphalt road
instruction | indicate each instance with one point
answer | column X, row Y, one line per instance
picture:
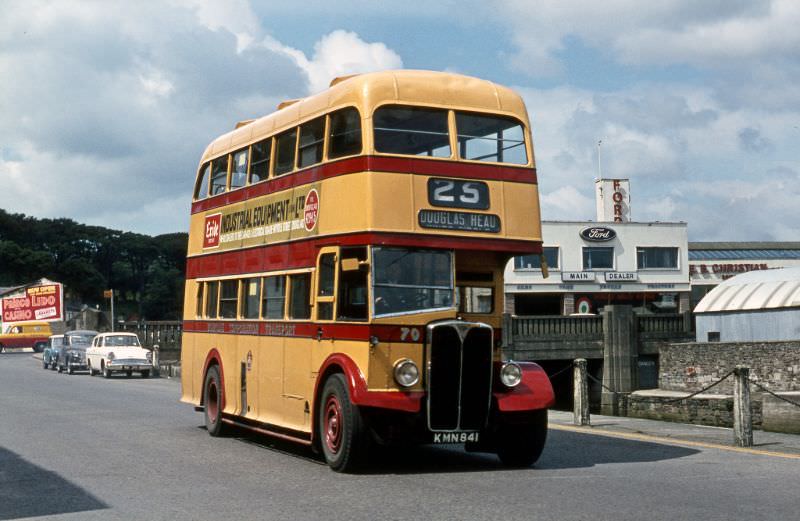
column 75, row 447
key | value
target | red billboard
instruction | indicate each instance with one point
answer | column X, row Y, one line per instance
column 45, row 302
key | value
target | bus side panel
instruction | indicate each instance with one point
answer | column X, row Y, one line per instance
column 191, row 390
column 296, row 368
column 268, row 366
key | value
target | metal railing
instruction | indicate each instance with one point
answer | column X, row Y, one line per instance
column 166, row 333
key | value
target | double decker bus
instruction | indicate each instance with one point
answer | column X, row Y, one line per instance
column 344, row 270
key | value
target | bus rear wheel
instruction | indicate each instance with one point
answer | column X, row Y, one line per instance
column 520, row 445
column 343, row 435
column 212, row 398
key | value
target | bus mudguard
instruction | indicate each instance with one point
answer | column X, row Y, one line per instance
column 357, row 385
column 533, row 392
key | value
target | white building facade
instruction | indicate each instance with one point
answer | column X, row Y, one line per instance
column 593, row 264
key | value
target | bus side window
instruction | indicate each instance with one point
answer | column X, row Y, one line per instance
column 219, row 175
column 259, row 161
column 312, row 137
column 345, row 133
column 251, row 298
column 229, row 298
column 239, row 169
column 274, row 295
column 201, row 190
column 199, row 308
column 285, row 145
column 211, row 299
column 326, row 286
column 299, row 298
column 353, row 287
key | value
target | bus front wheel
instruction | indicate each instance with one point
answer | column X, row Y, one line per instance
column 212, row 398
column 520, row 445
column 343, row 435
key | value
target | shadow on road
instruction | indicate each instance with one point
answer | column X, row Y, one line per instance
column 27, row 490
column 564, row 450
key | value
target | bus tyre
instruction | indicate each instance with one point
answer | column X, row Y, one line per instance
column 520, row 445
column 213, row 399
column 342, row 434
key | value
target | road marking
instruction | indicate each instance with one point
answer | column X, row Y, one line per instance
column 669, row 441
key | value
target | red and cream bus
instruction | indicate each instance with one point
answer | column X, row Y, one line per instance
column 344, row 272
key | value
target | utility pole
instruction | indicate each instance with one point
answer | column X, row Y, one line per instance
column 599, row 173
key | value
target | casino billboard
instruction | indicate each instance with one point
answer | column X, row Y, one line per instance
column 34, row 303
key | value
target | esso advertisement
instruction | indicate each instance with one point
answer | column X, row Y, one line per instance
column 212, row 230
column 43, row 302
column 311, row 212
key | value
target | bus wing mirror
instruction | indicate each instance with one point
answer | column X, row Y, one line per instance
column 353, row 264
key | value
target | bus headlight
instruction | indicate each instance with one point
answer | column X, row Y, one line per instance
column 406, row 372
column 511, row 374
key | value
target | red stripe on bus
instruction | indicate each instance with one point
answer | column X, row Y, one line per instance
column 369, row 164
column 328, row 331
column 303, row 253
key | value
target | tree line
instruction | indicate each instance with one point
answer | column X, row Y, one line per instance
column 147, row 273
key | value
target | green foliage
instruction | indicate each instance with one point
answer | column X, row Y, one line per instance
column 146, row 272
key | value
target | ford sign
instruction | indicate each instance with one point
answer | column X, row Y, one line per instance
column 598, row 234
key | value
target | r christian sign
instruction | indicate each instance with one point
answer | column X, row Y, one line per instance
column 598, row 234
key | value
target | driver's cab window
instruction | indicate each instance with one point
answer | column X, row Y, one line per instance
column 341, row 289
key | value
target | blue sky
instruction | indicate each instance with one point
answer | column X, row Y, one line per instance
column 106, row 106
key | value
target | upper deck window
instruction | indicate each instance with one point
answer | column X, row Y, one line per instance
column 490, row 138
column 411, row 131
column 312, row 137
column 201, row 190
column 345, row 133
column 259, row 166
column 239, row 169
column 219, row 175
column 285, row 145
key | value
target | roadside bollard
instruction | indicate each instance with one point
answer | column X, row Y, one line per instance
column 742, row 413
column 156, row 368
column 580, row 401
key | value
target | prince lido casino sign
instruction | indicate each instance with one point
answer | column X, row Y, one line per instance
column 271, row 218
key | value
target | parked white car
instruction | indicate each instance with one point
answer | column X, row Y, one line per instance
column 118, row 352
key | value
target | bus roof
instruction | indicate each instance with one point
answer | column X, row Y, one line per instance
column 367, row 91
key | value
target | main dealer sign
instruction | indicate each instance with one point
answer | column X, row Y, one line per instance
column 598, row 234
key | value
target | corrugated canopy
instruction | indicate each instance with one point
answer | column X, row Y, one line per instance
column 767, row 289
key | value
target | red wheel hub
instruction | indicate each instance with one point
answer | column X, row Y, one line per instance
column 333, row 424
column 213, row 401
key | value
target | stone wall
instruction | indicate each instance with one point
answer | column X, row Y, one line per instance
column 713, row 410
column 693, row 366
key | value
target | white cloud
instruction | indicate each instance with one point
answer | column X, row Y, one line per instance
column 338, row 54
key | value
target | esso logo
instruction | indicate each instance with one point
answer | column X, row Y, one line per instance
column 211, row 232
column 311, row 211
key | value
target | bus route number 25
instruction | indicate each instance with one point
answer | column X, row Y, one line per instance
column 453, row 193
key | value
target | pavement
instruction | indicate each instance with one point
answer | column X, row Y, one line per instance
column 680, row 434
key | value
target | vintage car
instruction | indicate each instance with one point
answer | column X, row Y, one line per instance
column 118, row 352
column 50, row 354
column 25, row 334
column 72, row 356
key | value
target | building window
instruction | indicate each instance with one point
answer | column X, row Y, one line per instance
column 598, row 258
column 657, row 258
column 533, row 262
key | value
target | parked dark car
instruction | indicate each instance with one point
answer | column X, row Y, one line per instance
column 50, row 354
column 72, row 356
